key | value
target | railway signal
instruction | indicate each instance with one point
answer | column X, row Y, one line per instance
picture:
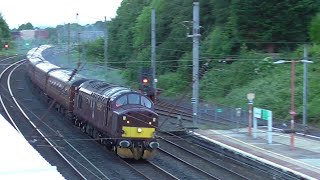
column 145, row 81
column 6, row 46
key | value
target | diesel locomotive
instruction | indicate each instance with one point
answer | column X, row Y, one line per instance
column 122, row 119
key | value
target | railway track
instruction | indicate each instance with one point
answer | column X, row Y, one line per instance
column 14, row 111
column 178, row 112
column 187, row 165
column 206, row 161
column 149, row 170
column 83, row 157
column 94, row 161
column 237, row 164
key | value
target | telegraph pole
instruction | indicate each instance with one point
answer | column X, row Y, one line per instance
column 305, row 88
column 196, row 34
column 79, row 42
column 106, row 43
column 153, row 51
column 68, row 43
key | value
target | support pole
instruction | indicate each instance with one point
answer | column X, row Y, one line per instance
column 305, row 88
column 270, row 129
column 106, row 43
column 250, row 104
column 68, row 43
column 153, row 51
column 196, row 34
column 292, row 112
column 79, row 43
column 255, row 127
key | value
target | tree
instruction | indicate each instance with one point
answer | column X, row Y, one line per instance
column 27, row 26
column 273, row 21
column 4, row 31
column 315, row 29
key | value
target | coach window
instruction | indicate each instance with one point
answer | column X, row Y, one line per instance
column 145, row 102
column 134, row 99
column 121, row 101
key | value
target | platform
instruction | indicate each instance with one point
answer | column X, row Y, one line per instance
column 302, row 159
column 19, row 160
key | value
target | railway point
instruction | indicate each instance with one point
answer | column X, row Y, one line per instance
column 302, row 160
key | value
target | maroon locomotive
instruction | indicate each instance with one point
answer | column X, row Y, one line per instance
column 120, row 118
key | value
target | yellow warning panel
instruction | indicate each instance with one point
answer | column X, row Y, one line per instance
column 138, row 132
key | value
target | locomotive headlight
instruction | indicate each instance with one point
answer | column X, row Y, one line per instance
column 124, row 118
column 150, row 123
column 154, row 119
column 139, row 130
column 128, row 122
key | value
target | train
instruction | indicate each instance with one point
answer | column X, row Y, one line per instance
column 120, row 118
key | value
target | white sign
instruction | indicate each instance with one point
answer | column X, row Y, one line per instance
column 257, row 112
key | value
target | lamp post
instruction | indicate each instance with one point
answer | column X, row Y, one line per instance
column 292, row 111
column 250, row 97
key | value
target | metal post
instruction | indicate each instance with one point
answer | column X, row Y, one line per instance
column 255, row 127
column 106, row 43
column 305, row 88
column 292, row 112
column 270, row 128
column 79, row 43
column 153, row 50
column 195, row 73
column 215, row 112
column 250, row 97
column 68, row 44
column 250, row 104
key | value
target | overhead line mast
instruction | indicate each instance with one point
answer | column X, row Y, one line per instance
column 195, row 74
column 153, row 51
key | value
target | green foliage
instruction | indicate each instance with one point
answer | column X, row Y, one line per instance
column 120, row 50
column 4, row 31
column 172, row 84
column 315, row 29
column 273, row 21
column 243, row 32
column 140, row 40
column 95, row 51
column 27, row 26
column 217, row 43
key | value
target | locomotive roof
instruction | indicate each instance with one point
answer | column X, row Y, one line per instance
column 64, row 75
column 108, row 90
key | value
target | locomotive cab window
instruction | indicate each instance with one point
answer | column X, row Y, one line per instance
column 145, row 102
column 134, row 99
column 121, row 101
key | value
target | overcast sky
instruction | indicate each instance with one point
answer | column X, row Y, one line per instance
column 54, row 12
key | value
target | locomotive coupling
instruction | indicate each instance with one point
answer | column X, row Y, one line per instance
column 154, row 145
column 124, row 143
